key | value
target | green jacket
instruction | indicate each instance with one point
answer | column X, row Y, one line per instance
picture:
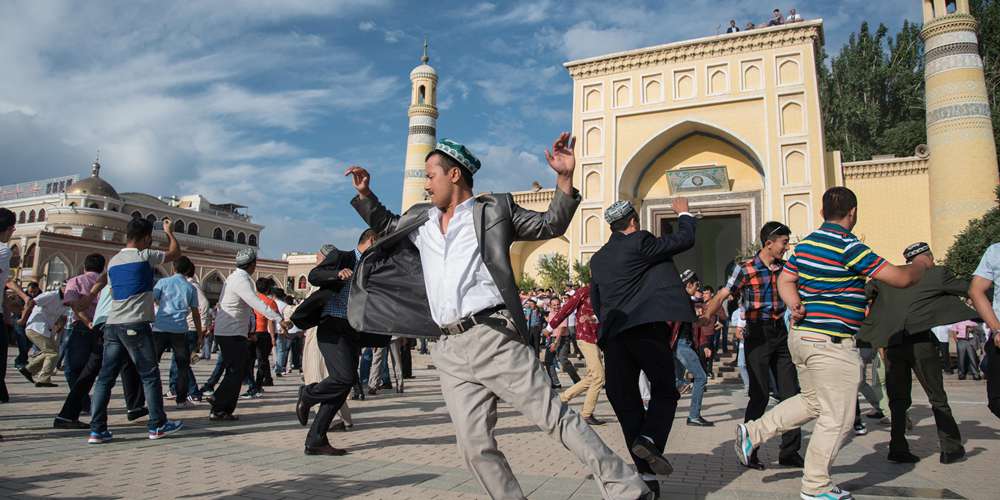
column 935, row 300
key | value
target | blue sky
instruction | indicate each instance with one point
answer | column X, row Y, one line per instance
column 265, row 103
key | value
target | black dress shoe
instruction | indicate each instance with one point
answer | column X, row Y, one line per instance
column 591, row 420
column 372, row 391
column 301, row 408
column 325, row 449
column 903, row 457
column 952, row 457
column 792, row 461
column 699, row 422
column 45, row 384
column 27, row 374
column 386, row 386
column 875, row 414
column 654, row 489
column 65, row 423
column 222, row 417
column 643, row 448
column 137, row 414
column 755, row 463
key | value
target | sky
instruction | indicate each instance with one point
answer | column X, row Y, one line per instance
column 266, row 103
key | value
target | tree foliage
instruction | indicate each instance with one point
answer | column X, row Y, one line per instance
column 581, row 272
column 526, row 283
column 553, row 270
column 971, row 243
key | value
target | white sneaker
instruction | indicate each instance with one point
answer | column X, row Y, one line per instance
column 834, row 494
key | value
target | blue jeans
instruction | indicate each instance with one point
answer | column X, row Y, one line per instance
column 217, row 373
column 365, row 366
column 135, row 341
column 193, row 390
column 282, row 347
column 741, row 363
column 206, row 347
column 23, row 346
column 687, row 357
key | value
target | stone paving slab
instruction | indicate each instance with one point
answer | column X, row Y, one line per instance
column 403, row 446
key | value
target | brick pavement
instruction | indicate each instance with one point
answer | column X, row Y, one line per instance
column 402, row 446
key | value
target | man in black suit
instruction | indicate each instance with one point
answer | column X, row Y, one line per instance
column 338, row 342
column 899, row 321
column 635, row 291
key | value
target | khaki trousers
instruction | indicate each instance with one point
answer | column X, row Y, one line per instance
column 829, row 375
column 487, row 363
column 393, row 350
column 44, row 365
column 592, row 382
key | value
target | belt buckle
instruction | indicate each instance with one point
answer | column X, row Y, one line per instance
column 454, row 328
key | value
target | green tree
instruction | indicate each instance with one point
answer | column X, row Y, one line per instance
column 581, row 272
column 526, row 283
column 971, row 243
column 553, row 270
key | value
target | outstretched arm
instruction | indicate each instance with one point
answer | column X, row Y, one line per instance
column 532, row 226
column 374, row 213
column 672, row 244
column 327, row 273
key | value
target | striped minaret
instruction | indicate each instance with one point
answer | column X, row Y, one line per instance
column 963, row 163
column 423, row 130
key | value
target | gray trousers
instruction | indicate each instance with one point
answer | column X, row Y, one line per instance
column 394, row 367
column 486, row 364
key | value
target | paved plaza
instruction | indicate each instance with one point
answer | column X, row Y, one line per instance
column 402, row 446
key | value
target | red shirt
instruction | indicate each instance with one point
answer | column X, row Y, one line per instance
column 586, row 323
column 260, row 320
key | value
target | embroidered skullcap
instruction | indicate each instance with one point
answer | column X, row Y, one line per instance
column 245, row 256
column 915, row 249
column 327, row 249
column 459, row 153
column 688, row 276
column 618, row 211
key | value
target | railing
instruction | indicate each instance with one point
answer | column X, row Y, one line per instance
column 540, row 196
column 892, row 167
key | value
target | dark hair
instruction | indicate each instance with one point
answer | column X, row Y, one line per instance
column 138, row 229
column 366, row 235
column 838, row 202
column 278, row 292
column 772, row 231
column 623, row 223
column 34, row 284
column 263, row 285
column 450, row 163
column 94, row 263
column 7, row 219
column 775, row 10
column 707, row 289
column 184, row 266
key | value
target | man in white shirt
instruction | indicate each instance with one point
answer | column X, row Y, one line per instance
column 233, row 319
column 452, row 257
column 987, row 275
column 48, row 313
column 793, row 16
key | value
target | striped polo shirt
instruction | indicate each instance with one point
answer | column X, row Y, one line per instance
column 832, row 265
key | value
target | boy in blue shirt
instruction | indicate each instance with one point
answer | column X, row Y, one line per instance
column 176, row 298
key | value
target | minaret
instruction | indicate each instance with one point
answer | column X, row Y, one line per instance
column 423, row 130
column 963, row 162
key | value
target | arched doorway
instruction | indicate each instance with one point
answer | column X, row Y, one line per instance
column 212, row 286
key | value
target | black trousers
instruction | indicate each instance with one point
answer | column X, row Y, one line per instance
column 646, row 348
column 765, row 346
column 135, row 397
column 406, row 358
column 945, row 356
column 234, row 358
column 263, row 348
column 182, row 355
column 993, row 376
column 918, row 352
column 341, row 348
column 4, row 346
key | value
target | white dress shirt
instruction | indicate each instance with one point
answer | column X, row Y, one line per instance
column 458, row 282
column 202, row 308
column 234, row 313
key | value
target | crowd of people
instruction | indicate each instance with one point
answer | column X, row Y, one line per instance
column 813, row 332
column 776, row 19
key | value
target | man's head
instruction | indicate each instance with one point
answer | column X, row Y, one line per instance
column 707, row 293
column 690, row 280
column 366, row 240
column 791, row 11
column 94, row 263
column 774, row 239
column 7, row 221
column 919, row 253
column 530, row 303
column 277, row 292
column 622, row 217
column 263, row 285
column 184, row 267
column 449, row 169
column 324, row 251
column 732, row 22
column 34, row 289
column 554, row 304
column 840, row 206
column 139, row 233
column 776, row 13
column 246, row 259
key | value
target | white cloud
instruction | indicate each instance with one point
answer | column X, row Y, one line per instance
column 366, row 26
column 393, row 36
column 510, row 168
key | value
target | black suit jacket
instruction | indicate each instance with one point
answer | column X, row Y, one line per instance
column 325, row 276
column 634, row 280
column 935, row 300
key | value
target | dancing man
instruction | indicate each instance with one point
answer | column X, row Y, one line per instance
column 635, row 291
column 470, row 300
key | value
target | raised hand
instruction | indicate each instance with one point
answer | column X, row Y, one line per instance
column 680, row 204
column 360, row 178
column 561, row 158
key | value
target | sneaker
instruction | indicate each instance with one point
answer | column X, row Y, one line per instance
column 205, row 391
column 860, row 429
column 744, row 446
column 169, row 394
column 166, row 429
column 834, row 494
column 183, row 405
column 99, row 437
column 65, row 423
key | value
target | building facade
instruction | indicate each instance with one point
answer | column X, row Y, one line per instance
column 61, row 221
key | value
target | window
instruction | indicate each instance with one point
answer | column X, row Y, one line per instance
column 41, row 215
column 151, row 218
column 179, row 226
column 422, row 95
column 31, row 216
column 302, row 283
column 136, row 215
column 29, row 257
column 21, row 218
column 193, row 229
column 217, row 234
column 252, row 240
column 15, row 256
column 230, row 236
column 93, row 205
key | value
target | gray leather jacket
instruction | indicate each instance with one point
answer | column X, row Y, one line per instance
column 388, row 295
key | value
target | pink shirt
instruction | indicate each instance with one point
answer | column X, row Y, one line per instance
column 79, row 286
column 961, row 329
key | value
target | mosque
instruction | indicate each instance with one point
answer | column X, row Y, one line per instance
column 733, row 122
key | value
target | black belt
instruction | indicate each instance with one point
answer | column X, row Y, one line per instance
column 471, row 320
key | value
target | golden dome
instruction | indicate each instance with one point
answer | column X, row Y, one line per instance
column 93, row 185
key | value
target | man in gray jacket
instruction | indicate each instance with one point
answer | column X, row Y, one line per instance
column 443, row 270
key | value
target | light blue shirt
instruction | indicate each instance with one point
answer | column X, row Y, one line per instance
column 103, row 306
column 989, row 268
column 175, row 297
